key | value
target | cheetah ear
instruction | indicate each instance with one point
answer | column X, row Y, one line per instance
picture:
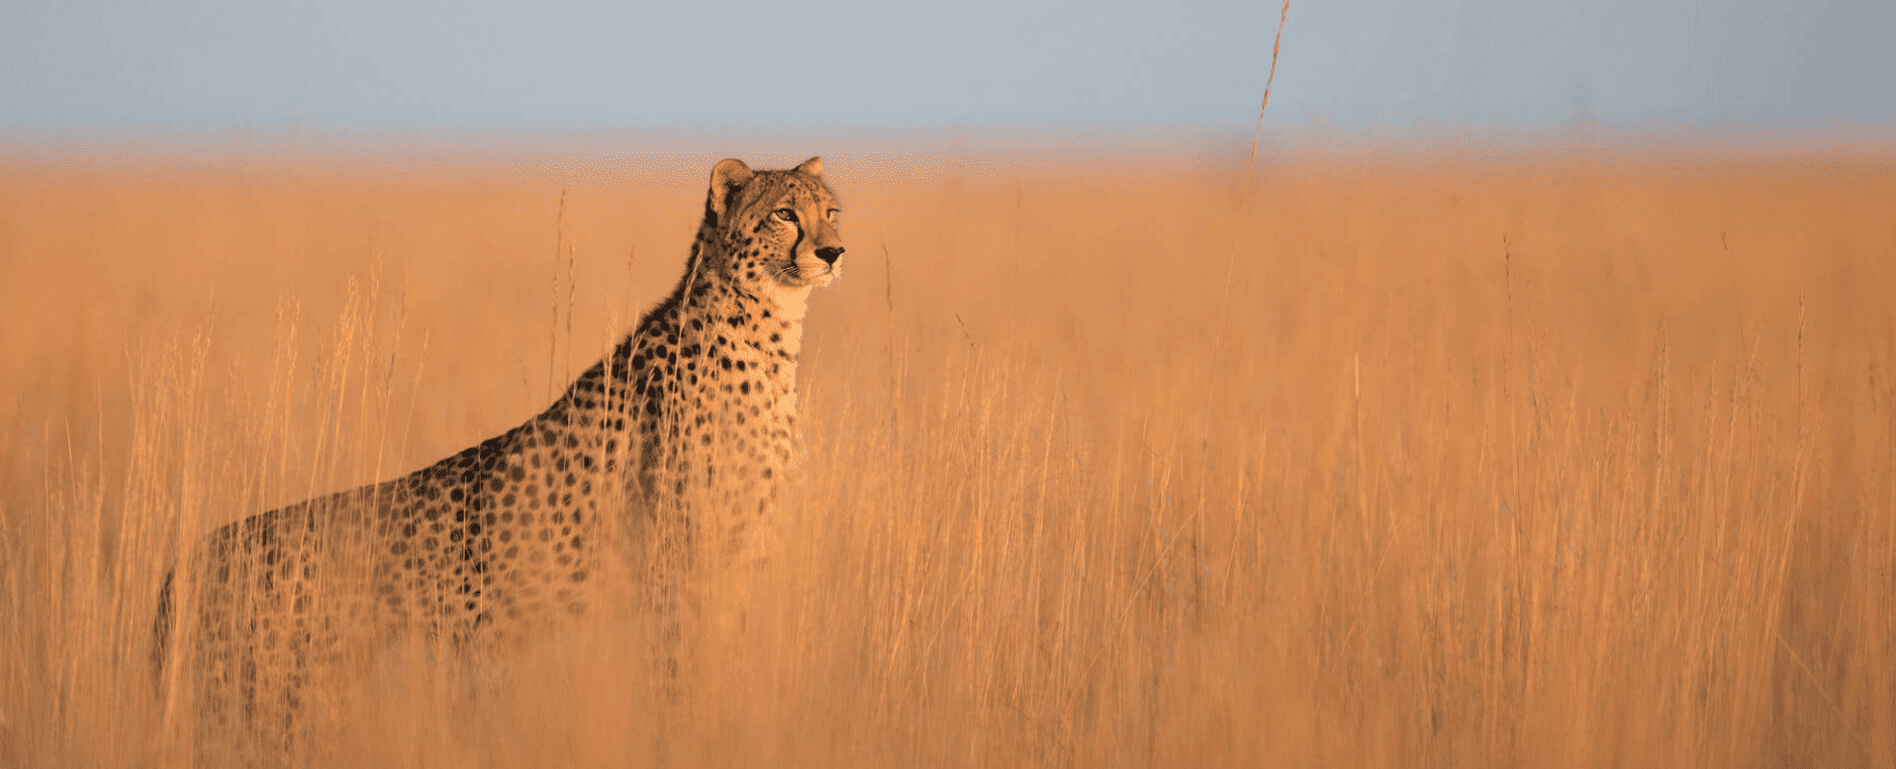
column 813, row 167
column 728, row 175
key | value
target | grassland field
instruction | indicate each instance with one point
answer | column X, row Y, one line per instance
column 1552, row 461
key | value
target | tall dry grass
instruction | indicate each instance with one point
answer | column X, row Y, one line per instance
column 1541, row 463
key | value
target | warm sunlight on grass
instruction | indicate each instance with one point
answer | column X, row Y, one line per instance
column 1545, row 463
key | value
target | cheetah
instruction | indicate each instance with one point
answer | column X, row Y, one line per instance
column 684, row 430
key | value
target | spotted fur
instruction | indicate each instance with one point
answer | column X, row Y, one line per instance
column 684, row 432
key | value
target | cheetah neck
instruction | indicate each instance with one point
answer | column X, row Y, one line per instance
column 713, row 357
column 791, row 304
column 702, row 323
column 775, row 308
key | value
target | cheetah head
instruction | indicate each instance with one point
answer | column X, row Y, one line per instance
column 776, row 229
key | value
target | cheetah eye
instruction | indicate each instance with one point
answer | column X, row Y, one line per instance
column 785, row 214
column 832, row 214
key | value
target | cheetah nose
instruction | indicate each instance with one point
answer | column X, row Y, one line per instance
column 830, row 255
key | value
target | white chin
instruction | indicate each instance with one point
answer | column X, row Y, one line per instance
column 811, row 276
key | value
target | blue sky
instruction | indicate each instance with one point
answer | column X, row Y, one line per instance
column 180, row 67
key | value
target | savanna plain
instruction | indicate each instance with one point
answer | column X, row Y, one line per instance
column 1370, row 460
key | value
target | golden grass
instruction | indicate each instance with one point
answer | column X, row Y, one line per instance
column 1541, row 464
